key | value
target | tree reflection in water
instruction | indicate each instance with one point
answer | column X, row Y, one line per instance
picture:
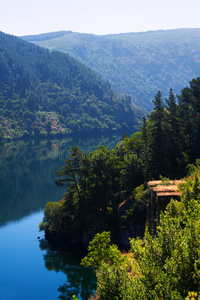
column 80, row 281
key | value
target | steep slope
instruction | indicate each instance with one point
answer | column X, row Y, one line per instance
column 138, row 64
column 48, row 93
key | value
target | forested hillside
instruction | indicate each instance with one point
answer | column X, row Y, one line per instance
column 138, row 64
column 165, row 263
column 97, row 184
column 49, row 93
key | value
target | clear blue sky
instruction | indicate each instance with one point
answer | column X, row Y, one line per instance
column 25, row 17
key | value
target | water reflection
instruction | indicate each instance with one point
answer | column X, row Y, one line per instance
column 27, row 172
column 79, row 280
column 27, row 176
column 26, row 182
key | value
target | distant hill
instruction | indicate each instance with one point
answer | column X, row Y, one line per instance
column 50, row 93
column 138, row 64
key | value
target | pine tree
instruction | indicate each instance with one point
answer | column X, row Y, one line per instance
column 196, row 187
column 195, row 103
column 195, row 88
column 157, row 119
column 146, row 151
column 173, row 130
column 187, row 122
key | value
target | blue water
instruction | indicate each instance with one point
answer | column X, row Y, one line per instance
column 27, row 175
column 23, row 274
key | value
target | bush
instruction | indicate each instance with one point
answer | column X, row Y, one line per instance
column 54, row 216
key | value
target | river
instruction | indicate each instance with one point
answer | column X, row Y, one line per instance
column 29, row 270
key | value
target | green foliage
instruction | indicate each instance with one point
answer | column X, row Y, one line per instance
column 142, row 194
column 137, row 64
column 169, row 261
column 114, row 273
column 165, row 180
column 161, row 266
column 55, row 93
column 169, row 265
column 166, row 265
column 170, row 135
column 192, row 168
column 54, row 217
column 100, row 251
column 114, row 282
column 137, row 248
column 96, row 183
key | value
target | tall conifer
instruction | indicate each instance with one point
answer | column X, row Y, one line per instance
column 173, row 130
column 157, row 118
column 146, row 150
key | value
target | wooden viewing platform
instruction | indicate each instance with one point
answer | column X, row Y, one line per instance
column 160, row 189
column 161, row 194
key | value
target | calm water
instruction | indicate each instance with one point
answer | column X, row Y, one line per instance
column 28, row 269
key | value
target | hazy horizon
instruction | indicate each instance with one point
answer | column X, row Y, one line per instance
column 136, row 32
column 97, row 17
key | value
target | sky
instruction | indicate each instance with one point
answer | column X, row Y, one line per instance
column 27, row 17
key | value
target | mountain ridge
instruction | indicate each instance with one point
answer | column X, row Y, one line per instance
column 136, row 64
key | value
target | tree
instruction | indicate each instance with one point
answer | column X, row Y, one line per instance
column 113, row 281
column 146, row 151
column 173, row 134
column 195, row 88
column 71, row 171
column 165, row 265
column 195, row 101
column 100, row 251
column 156, row 130
column 186, row 114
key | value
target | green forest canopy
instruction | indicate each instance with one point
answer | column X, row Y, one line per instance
column 43, row 93
column 99, row 182
column 161, row 266
column 137, row 64
column 165, row 265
